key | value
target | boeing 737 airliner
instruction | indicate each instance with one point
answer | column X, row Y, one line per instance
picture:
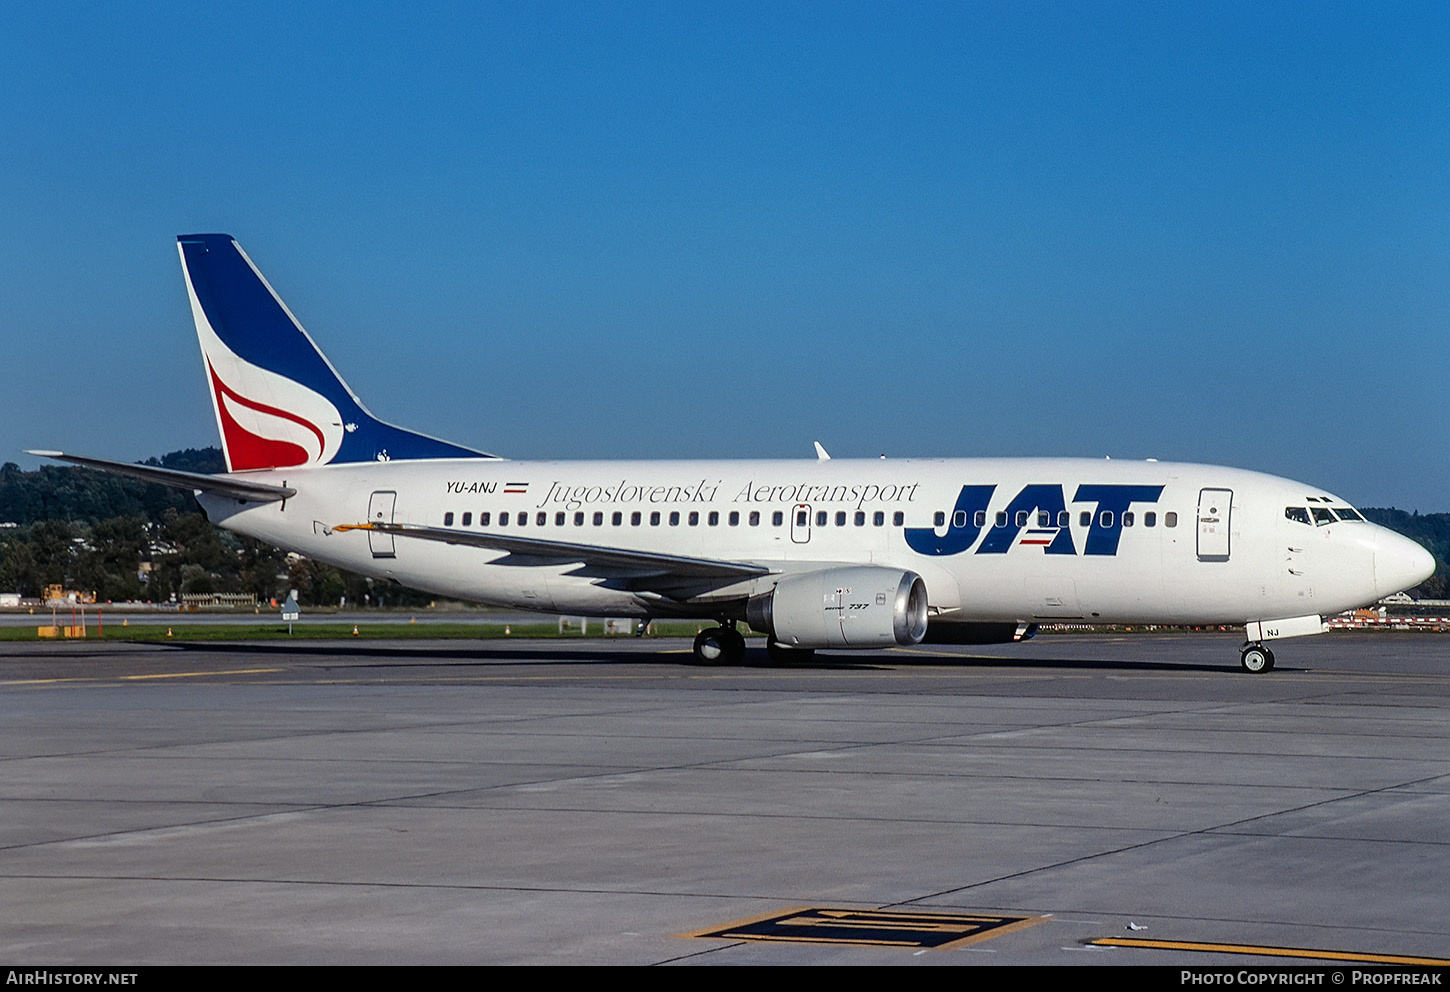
column 822, row 553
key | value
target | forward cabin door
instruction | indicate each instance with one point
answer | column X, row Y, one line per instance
column 380, row 511
column 1214, row 509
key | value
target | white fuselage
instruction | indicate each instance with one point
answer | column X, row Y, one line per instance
column 1023, row 540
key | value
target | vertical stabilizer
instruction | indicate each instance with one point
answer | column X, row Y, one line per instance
column 279, row 402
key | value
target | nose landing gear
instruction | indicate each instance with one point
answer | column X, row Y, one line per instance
column 1256, row 659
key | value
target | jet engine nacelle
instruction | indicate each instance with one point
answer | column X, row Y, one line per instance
column 865, row 606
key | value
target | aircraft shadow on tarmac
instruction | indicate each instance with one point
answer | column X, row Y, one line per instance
column 391, row 656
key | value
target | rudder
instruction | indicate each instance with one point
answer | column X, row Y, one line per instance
column 279, row 402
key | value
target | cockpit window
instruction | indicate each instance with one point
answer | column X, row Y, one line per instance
column 1322, row 517
column 1348, row 513
column 1297, row 514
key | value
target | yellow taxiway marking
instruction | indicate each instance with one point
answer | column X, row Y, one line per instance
column 140, row 678
column 1276, row 952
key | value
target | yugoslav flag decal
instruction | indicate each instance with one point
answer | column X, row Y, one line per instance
column 266, row 420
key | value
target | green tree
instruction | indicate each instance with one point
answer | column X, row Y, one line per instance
column 109, row 560
column 18, row 569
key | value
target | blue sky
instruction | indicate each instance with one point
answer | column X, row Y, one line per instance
column 1210, row 232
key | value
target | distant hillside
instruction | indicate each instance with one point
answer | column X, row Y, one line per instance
column 125, row 539
column 78, row 495
column 1433, row 531
column 191, row 460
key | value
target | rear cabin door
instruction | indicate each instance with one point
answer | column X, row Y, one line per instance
column 1214, row 509
column 380, row 511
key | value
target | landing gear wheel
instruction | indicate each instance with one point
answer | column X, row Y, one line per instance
column 782, row 655
column 719, row 646
column 735, row 641
column 1256, row 659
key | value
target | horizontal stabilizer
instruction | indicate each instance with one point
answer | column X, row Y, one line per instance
column 221, row 485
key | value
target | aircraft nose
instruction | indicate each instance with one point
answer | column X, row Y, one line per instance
column 1399, row 563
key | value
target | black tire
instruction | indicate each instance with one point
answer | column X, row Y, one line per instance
column 719, row 646
column 1256, row 659
column 735, row 645
column 711, row 647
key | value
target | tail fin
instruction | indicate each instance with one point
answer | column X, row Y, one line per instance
column 278, row 400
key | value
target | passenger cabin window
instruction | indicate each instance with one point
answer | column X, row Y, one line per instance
column 1105, row 519
column 468, row 519
column 898, row 518
column 1021, row 518
column 778, row 518
column 694, row 518
column 821, row 517
column 447, row 519
column 1150, row 519
column 1001, row 518
column 801, row 518
column 503, row 519
column 523, row 519
column 634, row 519
column 755, row 518
column 1128, row 518
column 1085, row 518
column 713, row 519
column 616, row 518
column 674, row 518
column 1170, row 519
column 483, row 518
column 840, row 518
column 599, row 520
column 959, row 518
column 979, row 519
column 558, row 519
column 1044, row 518
column 878, row 519
column 860, row 518
column 543, row 518
column 734, row 518
column 579, row 519
column 938, row 519
column 654, row 518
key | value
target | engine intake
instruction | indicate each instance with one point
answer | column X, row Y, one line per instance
column 864, row 606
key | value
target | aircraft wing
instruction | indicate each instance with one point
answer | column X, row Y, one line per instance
column 222, row 485
column 677, row 576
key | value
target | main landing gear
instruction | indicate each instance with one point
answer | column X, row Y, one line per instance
column 1256, row 658
column 719, row 645
column 725, row 645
